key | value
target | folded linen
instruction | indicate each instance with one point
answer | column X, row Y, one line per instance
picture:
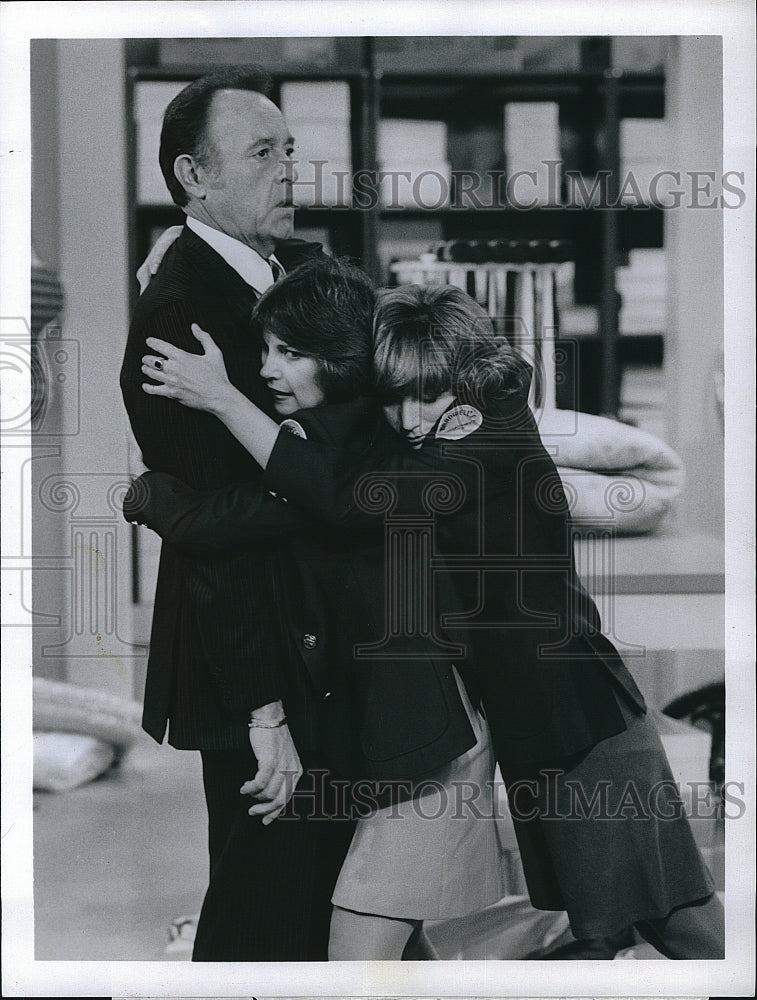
column 613, row 473
column 68, row 708
column 63, row 761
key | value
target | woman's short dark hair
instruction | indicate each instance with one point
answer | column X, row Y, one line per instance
column 324, row 308
column 436, row 339
column 185, row 121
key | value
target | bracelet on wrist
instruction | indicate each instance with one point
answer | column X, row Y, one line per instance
column 263, row 724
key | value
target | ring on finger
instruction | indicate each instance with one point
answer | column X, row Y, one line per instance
column 158, row 364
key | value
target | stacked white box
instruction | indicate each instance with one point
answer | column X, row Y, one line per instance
column 532, row 141
column 643, row 290
column 310, row 100
column 412, row 156
column 405, row 140
column 644, row 160
column 150, row 102
column 318, row 116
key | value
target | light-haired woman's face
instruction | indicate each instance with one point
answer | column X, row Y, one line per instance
column 414, row 418
column 291, row 376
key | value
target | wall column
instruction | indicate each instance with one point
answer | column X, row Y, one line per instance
column 694, row 247
column 84, row 550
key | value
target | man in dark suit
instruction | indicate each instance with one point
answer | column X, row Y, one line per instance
column 219, row 667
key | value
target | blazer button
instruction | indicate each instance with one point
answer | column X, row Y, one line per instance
column 309, row 641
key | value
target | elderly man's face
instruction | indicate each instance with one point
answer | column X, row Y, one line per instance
column 249, row 176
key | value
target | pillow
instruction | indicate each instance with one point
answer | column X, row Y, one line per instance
column 612, row 472
column 63, row 761
column 67, row 708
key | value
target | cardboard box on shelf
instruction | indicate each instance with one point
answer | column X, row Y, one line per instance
column 151, row 98
column 412, row 141
column 532, row 149
column 318, row 115
column 316, row 100
column 321, row 140
column 642, row 285
column 640, row 53
column 645, row 161
column 424, row 185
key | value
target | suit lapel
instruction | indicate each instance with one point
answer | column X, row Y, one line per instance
column 210, row 267
column 209, row 264
column 293, row 252
column 208, row 270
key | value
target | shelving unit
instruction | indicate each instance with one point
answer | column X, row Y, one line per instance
column 592, row 101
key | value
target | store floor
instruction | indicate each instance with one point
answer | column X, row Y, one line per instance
column 117, row 860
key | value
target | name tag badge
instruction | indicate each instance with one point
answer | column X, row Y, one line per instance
column 459, row 422
column 294, row 427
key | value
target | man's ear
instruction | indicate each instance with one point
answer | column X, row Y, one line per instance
column 191, row 175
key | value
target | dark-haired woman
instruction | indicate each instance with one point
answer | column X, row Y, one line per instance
column 401, row 723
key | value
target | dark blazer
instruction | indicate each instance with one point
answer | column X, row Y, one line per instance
column 551, row 680
column 394, row 715
column 215, row 652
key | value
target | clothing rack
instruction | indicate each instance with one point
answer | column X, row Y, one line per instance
column 517, row 293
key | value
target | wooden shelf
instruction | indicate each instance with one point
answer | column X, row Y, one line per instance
column 593, row 101
column 420, row 95
column 658, row 592
column 661, row 564
column 564, row 79
column 177, row 72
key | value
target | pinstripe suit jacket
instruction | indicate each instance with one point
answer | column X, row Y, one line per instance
column 395, row 714
column 216, row 649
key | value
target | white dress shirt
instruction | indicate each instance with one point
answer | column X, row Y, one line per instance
column 249, row 265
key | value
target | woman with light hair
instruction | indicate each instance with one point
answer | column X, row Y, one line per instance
column 599, row 819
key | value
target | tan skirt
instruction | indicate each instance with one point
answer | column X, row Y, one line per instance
column 438, row 853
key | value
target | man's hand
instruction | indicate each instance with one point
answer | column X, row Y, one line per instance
column 279, row 767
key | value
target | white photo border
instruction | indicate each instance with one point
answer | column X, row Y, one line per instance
column 22, row 975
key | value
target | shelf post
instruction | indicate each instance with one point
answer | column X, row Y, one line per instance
column 369, row 118
column 608, row 305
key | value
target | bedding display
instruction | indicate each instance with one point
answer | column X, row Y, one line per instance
column 63, row 761
column 612, row 472
column 79, row 733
